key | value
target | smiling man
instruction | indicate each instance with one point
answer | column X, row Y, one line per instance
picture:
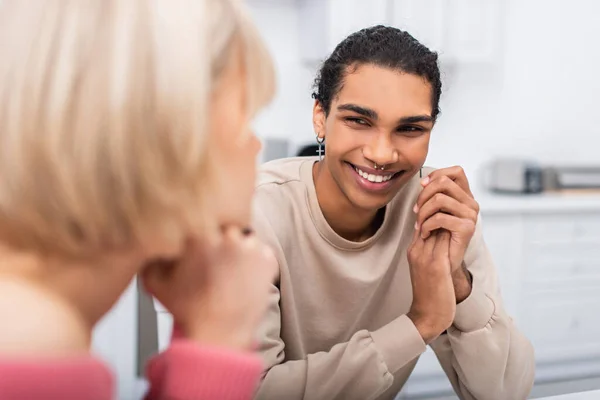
column 378, row 256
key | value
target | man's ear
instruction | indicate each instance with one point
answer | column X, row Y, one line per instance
column 319, row 118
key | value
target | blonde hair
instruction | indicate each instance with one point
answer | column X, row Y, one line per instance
column 104, row 117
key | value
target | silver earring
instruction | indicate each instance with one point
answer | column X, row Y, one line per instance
column 320, row 151
column 420, row 172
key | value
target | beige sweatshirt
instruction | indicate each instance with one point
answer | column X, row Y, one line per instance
column 336, row 326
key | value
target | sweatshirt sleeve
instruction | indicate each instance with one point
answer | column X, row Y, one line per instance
column 69, row 378
column 359, row 369
column 188, row 371
column 483, row 353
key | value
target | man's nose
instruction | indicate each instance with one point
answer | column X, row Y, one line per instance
column 381, row 150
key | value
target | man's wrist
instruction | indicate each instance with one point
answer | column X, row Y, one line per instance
column 426, row 329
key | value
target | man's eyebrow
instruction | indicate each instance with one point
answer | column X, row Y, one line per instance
column 372, row 114
column 367, row 112
column 416, row 118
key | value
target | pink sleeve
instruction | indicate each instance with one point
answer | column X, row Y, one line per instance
column 188, row 371
column 76, row 378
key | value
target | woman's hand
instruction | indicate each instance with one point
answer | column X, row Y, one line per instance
column 446, row 202
column 218, row 292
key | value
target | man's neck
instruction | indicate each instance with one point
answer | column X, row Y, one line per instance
column 346, row 220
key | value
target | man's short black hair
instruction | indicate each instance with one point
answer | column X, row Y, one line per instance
column 382, row 46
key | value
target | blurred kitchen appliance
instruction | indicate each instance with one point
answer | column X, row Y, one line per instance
column 571, row 178
column 509, row 175
column 513, row 176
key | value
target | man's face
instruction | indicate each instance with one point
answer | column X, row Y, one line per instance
column 380, row 116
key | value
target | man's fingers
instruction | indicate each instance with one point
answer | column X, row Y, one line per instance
column 456, row 173
column 448, row 222
column 429, row 244
column 442, row 244
column 443, row 203
column 446, row 186
column 416, row 245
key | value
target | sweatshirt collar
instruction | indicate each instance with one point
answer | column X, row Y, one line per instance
column 321, row 223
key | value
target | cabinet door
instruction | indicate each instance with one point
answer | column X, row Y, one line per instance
column 561, row 273
column 325, row 23
column 349, row 16
column 503, row 235
column 462, row 31
column 423, row 19
column 474, row 30
column 563, row 326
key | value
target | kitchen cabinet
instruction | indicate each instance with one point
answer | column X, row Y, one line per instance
column 426, row 20
column 473, row 31
column 325, row 23
column 462, row 31
column 546, row 250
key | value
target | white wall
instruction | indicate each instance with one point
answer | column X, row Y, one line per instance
column 115, row 341
column 538, row 100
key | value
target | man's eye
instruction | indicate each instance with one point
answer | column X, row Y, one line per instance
column 410, row 130
column 357, row 121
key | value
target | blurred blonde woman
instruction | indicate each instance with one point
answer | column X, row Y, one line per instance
column 125, row 149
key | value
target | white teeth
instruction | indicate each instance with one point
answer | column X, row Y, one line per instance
column 373, row 177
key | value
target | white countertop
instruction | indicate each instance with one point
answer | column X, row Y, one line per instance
column 591, row 395
column 537, row 203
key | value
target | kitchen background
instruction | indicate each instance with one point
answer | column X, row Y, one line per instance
column 521, row 82
column 521, row 76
